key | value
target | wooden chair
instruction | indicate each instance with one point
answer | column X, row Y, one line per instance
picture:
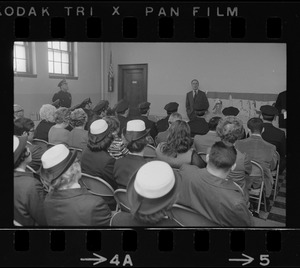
column 42, row 143
column 30, row 169
column 122, row 201
column 275, row 174
column 202, row 155
column 79, row 151
column 259, row 194
column 149, row 151
column 100, row 187
column 185, row 216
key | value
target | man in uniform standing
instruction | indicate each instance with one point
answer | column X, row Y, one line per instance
column 193, row 97
column 65, row 98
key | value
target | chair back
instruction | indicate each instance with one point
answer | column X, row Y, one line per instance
column 202, row 155
column 275, row 174
column 30, row 169
column 149, row 151
column 122, row 201
column 185, row 216
column 97, row 185
column 40, row 142
column 79, row 151
column 17, row 224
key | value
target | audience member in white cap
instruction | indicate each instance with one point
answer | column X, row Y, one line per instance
column 28, row 191
column 78, row 136
column 95, row 160
column 151, row 193
column 47, row 112
column 177, row 150
column 117, row 149
column 134, row 136
column 18, row 111
column 67, row 203
column 58, row 133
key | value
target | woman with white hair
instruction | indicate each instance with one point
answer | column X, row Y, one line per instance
column 67, row 203
column 47, row 112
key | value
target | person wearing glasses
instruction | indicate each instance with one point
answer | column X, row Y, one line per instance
column 25, row 127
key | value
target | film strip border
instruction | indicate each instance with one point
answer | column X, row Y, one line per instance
column 150, row 248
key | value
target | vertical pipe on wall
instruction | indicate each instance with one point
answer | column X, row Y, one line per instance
column 102, row 97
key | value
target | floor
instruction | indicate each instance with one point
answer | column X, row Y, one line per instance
column 276, row 217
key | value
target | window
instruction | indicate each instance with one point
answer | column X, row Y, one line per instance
column 61, row 59
column 23, row 59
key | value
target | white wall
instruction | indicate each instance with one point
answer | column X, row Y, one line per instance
column 219, row 67
column 32, row 93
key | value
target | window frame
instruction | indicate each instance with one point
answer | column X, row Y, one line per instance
column 29, row 59
column 71, row 54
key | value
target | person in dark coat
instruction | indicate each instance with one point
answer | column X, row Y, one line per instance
column 67, row 203
column 280, row 105
column 25, row 127
column 151, row 193
column 95, row 159
column 198, row 124
column 135, row 138
column 273, row 134
column 211, row 194
column 195, row 97
column 162, row 124
column 29, row 192
column 65, row 98
column 122, row 111
column 47, row 113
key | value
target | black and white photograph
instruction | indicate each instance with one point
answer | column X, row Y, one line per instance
column 149, row 134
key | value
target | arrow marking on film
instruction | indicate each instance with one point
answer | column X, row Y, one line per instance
column 97, row 260
column 246, row 261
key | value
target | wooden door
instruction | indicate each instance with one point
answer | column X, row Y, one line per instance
column 132, row 84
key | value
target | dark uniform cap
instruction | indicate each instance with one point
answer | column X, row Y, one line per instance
column 230, row 111
column 102, row 105
column 122, row 106
column 171, row 107
column 200, row 107
column 64, row 81
column 144, row 105
column 268, row 110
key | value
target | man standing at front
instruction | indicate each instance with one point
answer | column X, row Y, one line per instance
column 65, row 98
column 195, row 96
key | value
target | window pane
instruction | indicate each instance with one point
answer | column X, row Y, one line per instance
column 49, row 44
column 21, row 65
column 50, row 55
column 57, row 68
column 20, row 52
column 65, row 68
column 64, row 46
column 65, row 57
column 55, row 45
column 50, row 66
column 57, row 56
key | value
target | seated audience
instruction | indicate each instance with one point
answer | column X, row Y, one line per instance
column 122, row 111
column 47, row 112
column 163, row 136
column 211, row 193
column 198, row 124
column 67, row 203
column 230, row 129
column 98, row 112
column 25, row 127
column 135, row 138
column 95, row 159
column 273, row 134
column 260, row 151
column 78, row 136
column 117, row 149
column 18, row 111
column 58, row 133
column 162, row 124
column 177, row 150
column 233, row 111
column 151, row 193
column 203, row 142
column 29, row 193
column 86, row 105
column 144, row 109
